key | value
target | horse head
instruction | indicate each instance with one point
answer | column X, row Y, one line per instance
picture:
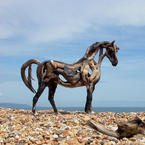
column 111, row 52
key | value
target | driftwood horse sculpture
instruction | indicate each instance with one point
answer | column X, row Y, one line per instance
column 84, row 72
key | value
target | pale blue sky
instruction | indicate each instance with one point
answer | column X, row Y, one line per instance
column 63, row 30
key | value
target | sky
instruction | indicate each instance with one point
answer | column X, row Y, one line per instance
column 63, row 30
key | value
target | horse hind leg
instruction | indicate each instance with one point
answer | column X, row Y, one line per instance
column 36, row 97
column 52, row 89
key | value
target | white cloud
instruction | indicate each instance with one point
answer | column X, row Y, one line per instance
column 38, row 22
column 42, row 21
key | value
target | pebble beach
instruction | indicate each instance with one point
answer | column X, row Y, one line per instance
column 66, row 128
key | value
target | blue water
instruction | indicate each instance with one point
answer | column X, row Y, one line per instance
column 108, row 109
column 95, row 109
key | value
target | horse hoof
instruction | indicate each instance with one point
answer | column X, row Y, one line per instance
column 36, row 114
column 33, row 111
column 90, row 112
column 56, row 113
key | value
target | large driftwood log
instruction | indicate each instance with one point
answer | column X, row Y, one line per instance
column 125, row 129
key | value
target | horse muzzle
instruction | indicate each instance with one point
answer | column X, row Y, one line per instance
column 114, row 63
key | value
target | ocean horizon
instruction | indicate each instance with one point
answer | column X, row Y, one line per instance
column 95, row 109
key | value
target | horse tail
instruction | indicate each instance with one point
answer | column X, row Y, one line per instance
column 28, row 81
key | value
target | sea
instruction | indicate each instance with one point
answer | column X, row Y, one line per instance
column 95, row 109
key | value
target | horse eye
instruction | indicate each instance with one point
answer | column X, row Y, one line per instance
column 110, row 48
column 110, row 52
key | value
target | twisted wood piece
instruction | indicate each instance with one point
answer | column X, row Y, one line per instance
column 125, row 129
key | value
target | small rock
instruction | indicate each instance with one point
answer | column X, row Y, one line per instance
column 133, row 139
column 139, row 137
column 55, row 136
column 112, row 139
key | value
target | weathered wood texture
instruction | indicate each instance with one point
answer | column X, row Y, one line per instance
column 84, row 72
column 125, row 129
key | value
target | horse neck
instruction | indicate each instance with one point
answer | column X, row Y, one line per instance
column 91, row 51
column 89, row 54
column 101, row 57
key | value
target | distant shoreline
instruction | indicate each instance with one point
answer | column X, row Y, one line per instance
column 95, row 109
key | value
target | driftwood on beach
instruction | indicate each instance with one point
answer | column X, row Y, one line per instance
column 125, row 129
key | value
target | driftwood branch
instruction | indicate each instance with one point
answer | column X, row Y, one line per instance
column 125, row 129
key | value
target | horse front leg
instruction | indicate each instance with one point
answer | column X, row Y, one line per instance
column 52, row 89
column 37, row 95
column 88, row 107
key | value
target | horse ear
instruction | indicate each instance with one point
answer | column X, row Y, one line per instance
column 113, row 42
